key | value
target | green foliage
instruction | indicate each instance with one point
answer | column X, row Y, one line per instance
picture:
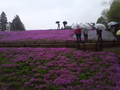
column 19, row 68
column 19, row 79
column 106, row 81
column 69, row 56
column 23, row 72
column 101, row 20
column 24, row 64
column 30, row 67
column 43, row 61
column 4, row 78
column 26, row 80
column 1, row 58
column 53, row 88
column 114, row 12
column 12, row 78
column 81, row 60
column 1, row 84
column 97, row 59
column 29, row 88
column 8, row 70
column 41, row 71
column 83, row 76
column 15, row 85
column 93, row 73
column 52, row 75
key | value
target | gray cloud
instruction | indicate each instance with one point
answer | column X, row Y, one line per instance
column 42, row 14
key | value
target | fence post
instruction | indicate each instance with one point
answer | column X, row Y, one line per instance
column 101, row 46
column 24, row 45
column 96, row 46
column 9, row 45
column 84, row 47
column 117, row 43
column 54, row 41
column 113, row 44
column 78, row 46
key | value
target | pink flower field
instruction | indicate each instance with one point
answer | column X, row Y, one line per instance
column 37, row 35
column 58, row 69
column 55, row 68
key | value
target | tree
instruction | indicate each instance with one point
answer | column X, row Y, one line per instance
column 101, row 20
column 114, row 12
column 104, row 14
column 17, row 25
column 3, row 21
column 64, row 23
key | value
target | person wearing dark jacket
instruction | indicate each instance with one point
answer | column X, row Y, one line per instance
column 99, row 34
column 77, row 32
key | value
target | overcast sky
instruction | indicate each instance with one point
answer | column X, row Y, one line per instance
column 42, row 14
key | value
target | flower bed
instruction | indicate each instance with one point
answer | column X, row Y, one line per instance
column 37, row 35
column 58, row 69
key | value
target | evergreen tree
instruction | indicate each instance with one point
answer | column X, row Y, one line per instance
column 3, row 21
column 17, row 25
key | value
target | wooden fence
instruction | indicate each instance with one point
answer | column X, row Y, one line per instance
column 92, row 46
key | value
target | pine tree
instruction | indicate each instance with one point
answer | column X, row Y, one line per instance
column 3, row 21
column 17, row 25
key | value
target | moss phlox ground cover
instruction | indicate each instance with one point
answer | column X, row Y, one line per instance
column 37, row 35
column 58, row 69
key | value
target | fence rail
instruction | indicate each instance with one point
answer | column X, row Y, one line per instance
column 92, row 46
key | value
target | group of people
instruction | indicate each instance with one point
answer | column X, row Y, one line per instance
column 78, row 32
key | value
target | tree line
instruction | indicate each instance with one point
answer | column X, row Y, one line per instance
column 15, row 25
column 111, row 14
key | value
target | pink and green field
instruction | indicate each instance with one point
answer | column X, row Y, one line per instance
column 55, row 68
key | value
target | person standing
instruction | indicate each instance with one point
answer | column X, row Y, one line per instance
column 99, row 34
column 85, row 33
column 58, row 26
column 77, row 32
